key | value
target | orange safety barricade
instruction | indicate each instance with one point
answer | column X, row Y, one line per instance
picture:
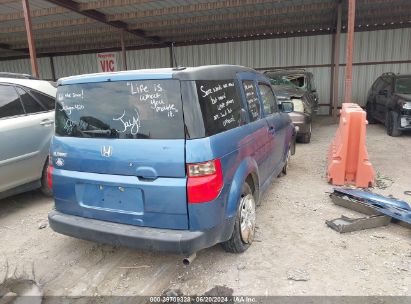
column 348, row 158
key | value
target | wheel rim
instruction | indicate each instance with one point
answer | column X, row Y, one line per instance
column 247, row 218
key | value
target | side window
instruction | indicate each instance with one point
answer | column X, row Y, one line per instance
column 30, row 105
column 269, row 104
column 48, row 102
column 220, row 105
column 252, row 100
column 10, row 104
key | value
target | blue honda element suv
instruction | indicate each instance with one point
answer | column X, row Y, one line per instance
column 169, row 159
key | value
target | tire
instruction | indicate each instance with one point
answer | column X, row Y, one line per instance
column 370, row 117
column 244, row 226
column 393, row 124
column 45, row 189
column 305, row 138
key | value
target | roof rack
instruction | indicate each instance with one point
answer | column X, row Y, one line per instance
column 16, row 75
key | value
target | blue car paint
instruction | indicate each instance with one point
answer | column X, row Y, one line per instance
column 395, row 208
column 249, row 149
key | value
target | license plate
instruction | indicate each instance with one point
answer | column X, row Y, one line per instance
column 110, row 198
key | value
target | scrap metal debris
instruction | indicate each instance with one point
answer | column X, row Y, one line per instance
column 345, row 224
column 372, row 204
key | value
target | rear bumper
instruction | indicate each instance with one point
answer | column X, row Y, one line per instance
column 301, row 120
column 146, row 238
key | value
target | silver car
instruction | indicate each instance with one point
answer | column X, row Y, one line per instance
column 26, row 128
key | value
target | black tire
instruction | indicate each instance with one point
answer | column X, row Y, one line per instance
column 45, row 189
column 236, row 243
column 370, row 117
column 305, row 138
column 393, row 124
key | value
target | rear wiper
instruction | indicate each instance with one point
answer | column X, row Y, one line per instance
column 106, row 132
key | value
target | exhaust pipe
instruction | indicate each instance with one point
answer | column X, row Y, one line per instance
column 188, row 260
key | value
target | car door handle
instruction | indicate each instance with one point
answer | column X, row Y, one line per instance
column 271, row 130
column 46, row 122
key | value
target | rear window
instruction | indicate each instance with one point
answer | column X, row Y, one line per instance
column 148, row 109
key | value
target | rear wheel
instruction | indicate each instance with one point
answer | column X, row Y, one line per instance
column 393, row 124
column 44, row 181
column 244, row 227
column 370, row 117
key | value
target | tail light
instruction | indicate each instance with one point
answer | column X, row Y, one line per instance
column 205, row 181
column 50, row 169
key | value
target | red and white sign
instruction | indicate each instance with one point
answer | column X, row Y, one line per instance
column 106, row 62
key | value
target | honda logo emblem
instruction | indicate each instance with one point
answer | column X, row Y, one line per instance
column 106, row 151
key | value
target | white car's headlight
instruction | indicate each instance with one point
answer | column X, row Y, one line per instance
column 298, row 105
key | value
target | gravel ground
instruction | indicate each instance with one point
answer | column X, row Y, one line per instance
column 294, row 253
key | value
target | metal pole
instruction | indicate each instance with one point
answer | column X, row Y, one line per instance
column 171, row 50
column 336, row 62
column 123, row 51
column 349, row 51
column 53, row 71
column 30, row 40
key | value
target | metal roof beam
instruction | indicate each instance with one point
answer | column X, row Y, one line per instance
column 109, row 3
column 249, row 25
column 34, row 13
column 7, row 47
column 191, row 8
column 306, row 9
column 100, row 17
column 48, row 25
column 41, row 36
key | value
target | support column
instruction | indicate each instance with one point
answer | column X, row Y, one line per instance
column 123, row 51
column 349, row 51
column 336, row 59
column 30, row 40
column 53, row 71
column 171, row 49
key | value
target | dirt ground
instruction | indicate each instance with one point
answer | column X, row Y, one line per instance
column 294, row 253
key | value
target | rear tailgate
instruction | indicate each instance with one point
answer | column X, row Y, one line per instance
column 119, row 153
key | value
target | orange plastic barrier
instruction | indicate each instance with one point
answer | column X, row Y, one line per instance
column 348, row 158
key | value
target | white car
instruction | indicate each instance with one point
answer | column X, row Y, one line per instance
column 26, row 127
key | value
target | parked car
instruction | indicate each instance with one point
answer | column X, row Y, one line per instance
column 166, row 159
column 301, row 79
column 302, row 115
column 26, row 128
column 389, row 102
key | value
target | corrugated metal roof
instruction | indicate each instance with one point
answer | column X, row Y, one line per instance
column 186, row 21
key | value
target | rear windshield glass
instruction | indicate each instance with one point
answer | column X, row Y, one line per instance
column 149, row 109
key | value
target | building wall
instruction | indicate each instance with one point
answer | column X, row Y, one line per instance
column 374, row 47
